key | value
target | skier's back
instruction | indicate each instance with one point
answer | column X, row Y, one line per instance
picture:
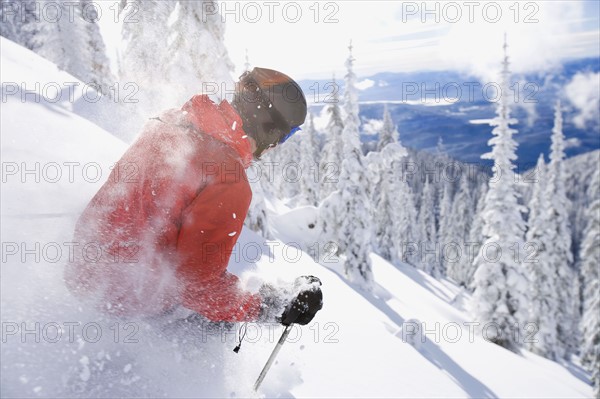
column 160, row 231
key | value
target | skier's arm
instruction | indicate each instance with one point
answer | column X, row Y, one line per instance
column 210, row 227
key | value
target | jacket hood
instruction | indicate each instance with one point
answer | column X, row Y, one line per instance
column 221, row 122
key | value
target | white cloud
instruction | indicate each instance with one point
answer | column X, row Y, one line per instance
column 530, row 109
column 313, row 48
column 480, row 121
column 427, row 102
column 573, row 142
column 365, row 84
column 372, row 126
column 387, row 43
column 540, row 45
column 583, row 92
column 320, row 119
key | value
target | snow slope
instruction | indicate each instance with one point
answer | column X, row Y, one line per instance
column 357, row 346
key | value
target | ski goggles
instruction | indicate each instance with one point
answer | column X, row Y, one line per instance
column 290, row 134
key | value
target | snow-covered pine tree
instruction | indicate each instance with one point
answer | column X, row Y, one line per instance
column 394, row 210
column 442, row 200
column 383, row 204
column 21, row 22
column 330, row 224
column 590, row 274
column 309, row 184
column 331, row 159
column 30, row 24
column 543, row 304
column 443, row 233
column 69, row 36
column 62, row 39
column 500, row 282
column 378, row 167
column 537, row 199
column 388, row 133
column 196, row 53
column 408, row 235
column 330, row 202
column 171, row 51
column 288, row 170
column 257, row 218
column 355, row 228
column 475, row 236
column 559, row 242
column 271, row 173
column 9, row 20
column 144, row 57
column 457, row 234
column 98, row 71
column 428, row 254
column 577, row 180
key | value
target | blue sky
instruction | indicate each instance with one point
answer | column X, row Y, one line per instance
column 396, row 36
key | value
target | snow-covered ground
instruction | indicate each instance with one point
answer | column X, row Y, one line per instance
column 359, row 345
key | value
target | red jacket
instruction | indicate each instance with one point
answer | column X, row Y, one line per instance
column 161, row 230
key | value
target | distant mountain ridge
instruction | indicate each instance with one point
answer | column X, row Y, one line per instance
column 461, row 124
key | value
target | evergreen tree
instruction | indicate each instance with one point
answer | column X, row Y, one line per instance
column 428, row 253
column 257, row 218
column 394, row 210
column 9, row 20
column 408, row 235
column 385, row 190
column 388, row 133
column 171, row 51
column 330, row 222
column 69, row 36
column 270, row 171
column 63, row 39
column 458, row 229
column 309, row 183
column 500, row 281
column 543, row 306
column 378, row 167
column 196, row 53
column 290, row 160
column 537, row 199
column 445, row 222
column 475, row 237
column 355, row 229
column 590, row 273
column 331, row 159
column 21, row 22
column 30, row 24
column 144, row 57
column 559, row 242
column 97, row 71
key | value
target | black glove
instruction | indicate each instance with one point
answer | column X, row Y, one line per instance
column 307, row 302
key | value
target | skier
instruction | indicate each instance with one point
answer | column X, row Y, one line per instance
column 159, row 233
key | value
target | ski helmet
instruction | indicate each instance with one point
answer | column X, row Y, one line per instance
column 272, row 106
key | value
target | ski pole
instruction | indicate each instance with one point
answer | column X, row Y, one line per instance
column 265, row 369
